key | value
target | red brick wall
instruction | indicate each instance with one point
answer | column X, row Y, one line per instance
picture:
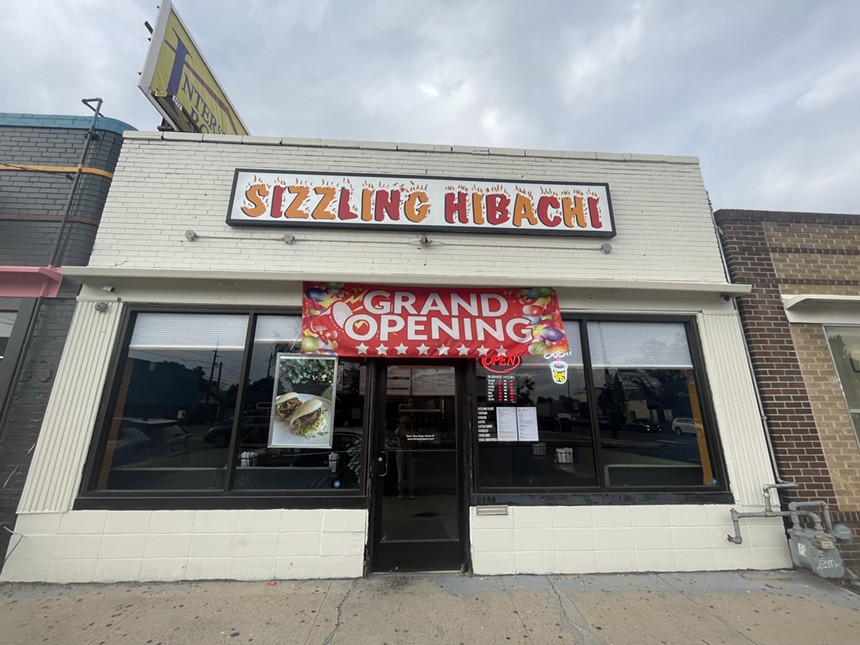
column 792, row 253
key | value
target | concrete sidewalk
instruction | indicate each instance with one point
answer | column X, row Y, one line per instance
column 782, row 608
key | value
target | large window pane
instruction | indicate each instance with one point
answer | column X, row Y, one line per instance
column 845, row 348
column 7, row 321
column 259, row 467
column 650, row 417
column 180, row 378
column 562, row 452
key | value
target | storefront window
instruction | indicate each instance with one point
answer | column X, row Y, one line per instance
column 7, row 321
column 559, row 450
column 333, row 466
column 177, row 386
column 649, row 414
column 845, row 349
column 642, row 425
column 184, row 418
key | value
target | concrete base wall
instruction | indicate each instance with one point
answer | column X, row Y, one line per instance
column 615, row 539
column 111, row 546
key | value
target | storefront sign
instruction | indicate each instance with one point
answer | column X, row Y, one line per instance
column 180, row 84
column 419, row 203
column 422, row 322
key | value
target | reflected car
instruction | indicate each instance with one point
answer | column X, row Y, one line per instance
column 142, row 439
column 684, row 425
column 641, row 425
column 342, row 441
column 254, row 432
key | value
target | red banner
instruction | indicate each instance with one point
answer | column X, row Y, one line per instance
column 426, row 322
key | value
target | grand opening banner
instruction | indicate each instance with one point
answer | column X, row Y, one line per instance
column 495, row 325
column 302, row 200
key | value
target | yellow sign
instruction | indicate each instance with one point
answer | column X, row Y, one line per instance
column 177, row 80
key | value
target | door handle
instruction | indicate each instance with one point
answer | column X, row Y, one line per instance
column 383, row 459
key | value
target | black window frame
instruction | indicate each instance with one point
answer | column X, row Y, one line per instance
column 618, row 495
column 24, row 309
column 226, row 498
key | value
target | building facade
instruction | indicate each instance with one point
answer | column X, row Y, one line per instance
column 309, row 359
column 802, row 324
column 50, row 206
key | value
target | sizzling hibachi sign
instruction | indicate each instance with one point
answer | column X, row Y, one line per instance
column 392, row 321
column 419, row 203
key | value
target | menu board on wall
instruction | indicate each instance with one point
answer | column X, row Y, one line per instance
column 399, row 381
column 507, row 424
column 527, row 426
column 433, row 382
column 501, row 388
column 487, row 424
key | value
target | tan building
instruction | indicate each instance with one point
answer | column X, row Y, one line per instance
column 802, row 324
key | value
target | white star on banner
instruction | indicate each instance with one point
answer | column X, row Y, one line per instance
column 463, row 350
column 362, row 349
column 401, row 348
column 422, row 349
column 443, row 351
column 483, row 350
column 382, row 349
column 501, row 351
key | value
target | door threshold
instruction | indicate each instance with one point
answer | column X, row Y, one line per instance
column 419, row 573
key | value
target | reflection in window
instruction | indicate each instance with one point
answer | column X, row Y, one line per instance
column 261, row 467
column 7, row 321
column 641, row 425
column 845, row 349
column 177, row 388
column 649, row 415
column 563, row 454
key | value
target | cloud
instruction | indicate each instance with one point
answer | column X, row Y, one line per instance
column 765, row 93
column 840, row 83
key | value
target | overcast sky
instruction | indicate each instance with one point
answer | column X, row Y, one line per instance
column 765, row 92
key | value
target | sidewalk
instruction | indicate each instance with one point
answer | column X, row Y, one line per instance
column 782, row 608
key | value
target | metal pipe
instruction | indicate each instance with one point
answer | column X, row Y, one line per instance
column 737, row 539
column 766, row 492
column 818, row 503
column 55, row 256
column 18, row 370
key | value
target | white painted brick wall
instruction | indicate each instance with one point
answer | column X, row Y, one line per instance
column 611, row 539
column 164, row 187
column 109, row 546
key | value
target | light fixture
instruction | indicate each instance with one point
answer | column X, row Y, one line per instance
column 190, row 235
column 101, row 306
column 289, row 238
column 606, row 247
column 109, row 288
column 424, row 240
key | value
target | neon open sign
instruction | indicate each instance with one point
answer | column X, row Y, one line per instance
column 500, row 364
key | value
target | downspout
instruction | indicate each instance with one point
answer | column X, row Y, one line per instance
column 91, row 134
column 759, row 402
column 34, row 317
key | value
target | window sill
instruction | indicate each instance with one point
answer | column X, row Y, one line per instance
column 602, row 498
column 184, row 500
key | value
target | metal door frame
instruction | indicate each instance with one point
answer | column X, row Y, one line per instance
column 464, row 404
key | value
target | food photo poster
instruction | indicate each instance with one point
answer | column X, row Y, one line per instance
column 303, row 401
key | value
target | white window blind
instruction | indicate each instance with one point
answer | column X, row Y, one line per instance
column 571, row 329
column 7, row 321
column 278, row 329
column 631, row 344
column 189, row 331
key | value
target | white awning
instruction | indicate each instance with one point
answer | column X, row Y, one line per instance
column 822, row 308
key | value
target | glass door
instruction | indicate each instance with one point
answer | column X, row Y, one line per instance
column 417, row 519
